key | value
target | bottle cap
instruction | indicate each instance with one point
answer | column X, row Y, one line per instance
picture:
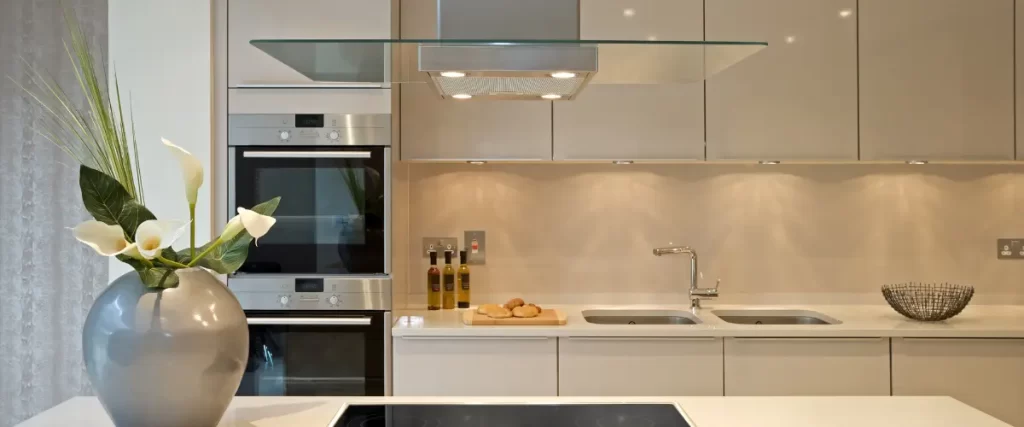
column 462, row 256
column 447, row 257
column 433, row 258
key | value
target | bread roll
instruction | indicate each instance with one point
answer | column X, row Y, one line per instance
column 483, row 309
column 539, row 310
column 514, row 302
column 499, row 313
column 525, row 311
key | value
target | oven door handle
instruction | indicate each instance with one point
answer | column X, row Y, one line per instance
column 310, row 321
column 307, row 154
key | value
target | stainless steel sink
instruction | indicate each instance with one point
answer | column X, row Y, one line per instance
column 775, row 317
column 640, row 317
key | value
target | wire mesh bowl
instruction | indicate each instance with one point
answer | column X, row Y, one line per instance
column 926, row 301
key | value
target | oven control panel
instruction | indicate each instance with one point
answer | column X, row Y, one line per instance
column 309, row 129
column 278, row 292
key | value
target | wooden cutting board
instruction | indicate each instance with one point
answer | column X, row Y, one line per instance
column 546, row 317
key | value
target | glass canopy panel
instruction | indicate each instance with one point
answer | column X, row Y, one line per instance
column 520, row 63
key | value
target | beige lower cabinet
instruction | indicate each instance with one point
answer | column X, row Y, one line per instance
column 806, row 367
column 987, row 374
column 475, row 366
column 634, row 366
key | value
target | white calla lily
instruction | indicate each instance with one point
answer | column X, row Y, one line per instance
column 154, row 235
column 256, row 224
column 105, row 239
column 191, row 170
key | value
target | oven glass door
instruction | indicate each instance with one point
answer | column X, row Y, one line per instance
column 315, row 356
column 332, row 213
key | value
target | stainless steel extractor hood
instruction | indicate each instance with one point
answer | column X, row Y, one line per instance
column 508, row 49
column 509, row 71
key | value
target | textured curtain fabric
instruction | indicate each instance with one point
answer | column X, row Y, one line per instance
column 47, row 280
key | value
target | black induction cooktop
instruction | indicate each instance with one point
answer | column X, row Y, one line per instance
column 518, row 415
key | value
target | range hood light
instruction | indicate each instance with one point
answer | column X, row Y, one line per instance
column 477, row 162
column 917, row 162
column 551, row 96
column 453, row 74
column 622, row 162
column 462, row 96
column 769, row 162
column 563, row 75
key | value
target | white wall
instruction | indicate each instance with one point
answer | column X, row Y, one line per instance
column 161, row 51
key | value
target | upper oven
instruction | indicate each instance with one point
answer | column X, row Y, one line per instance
column 332, row 174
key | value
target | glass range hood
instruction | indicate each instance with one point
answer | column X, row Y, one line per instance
column 509, row 68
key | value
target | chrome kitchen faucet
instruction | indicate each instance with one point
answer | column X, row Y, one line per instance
column 696, row 293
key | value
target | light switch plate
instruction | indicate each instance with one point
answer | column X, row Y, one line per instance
column 476, row 247
column 440, row 244
column 1010, row 248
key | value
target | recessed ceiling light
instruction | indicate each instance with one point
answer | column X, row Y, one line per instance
column 790, row 39
column 551, row 96
column 917, row 162
column 477, row 162
column 769, row 162
column 462, row 96
column 628, row 12
column 845, row 13
column 622, row 162
column 453, row 74
column 563, row 75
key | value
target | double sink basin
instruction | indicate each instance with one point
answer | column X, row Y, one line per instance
column 679, row 317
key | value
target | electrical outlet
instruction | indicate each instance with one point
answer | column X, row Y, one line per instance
column 476, row 247
column 440, row 244
column 1010, row 248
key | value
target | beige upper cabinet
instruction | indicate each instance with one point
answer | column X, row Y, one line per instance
column 937, row 79
column 446, row 130
column 1020, row 76
column 276, row 19
column 796, row 99
column 637, row 122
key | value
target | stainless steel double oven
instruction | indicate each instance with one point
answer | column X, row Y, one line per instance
column 317, row 288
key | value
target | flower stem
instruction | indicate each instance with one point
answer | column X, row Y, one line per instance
column 192, row 231
column 202, row 254
column 146, row 262
column 171, row 263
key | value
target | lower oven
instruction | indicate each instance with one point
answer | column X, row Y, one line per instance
column 312, row 336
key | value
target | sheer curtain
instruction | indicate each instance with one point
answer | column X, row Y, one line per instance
column 47, row 279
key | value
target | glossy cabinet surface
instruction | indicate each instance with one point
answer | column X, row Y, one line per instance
column 308, row 19
column 627, row 366
column 937, row 79
column 634, row 122
column 475, row 366
column 445, row 130
column 795, row 100
column 987, row 374
column 806, row 367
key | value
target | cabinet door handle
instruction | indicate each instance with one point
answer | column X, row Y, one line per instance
column 470, row 338
column 643, row 338
column 819, row 339
column 310, row 321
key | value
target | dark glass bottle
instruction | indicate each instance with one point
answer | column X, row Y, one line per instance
column 433, row 284
column 463, row 281
column 448, row 280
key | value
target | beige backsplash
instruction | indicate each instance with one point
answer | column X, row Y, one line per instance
column 583, row 233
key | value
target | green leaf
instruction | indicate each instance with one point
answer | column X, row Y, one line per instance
column 229, row 256
column 109, row 202
column 154, row 277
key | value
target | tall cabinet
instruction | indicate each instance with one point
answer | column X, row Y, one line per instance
column 937, row 79
column 795, row 100
column 637, row 122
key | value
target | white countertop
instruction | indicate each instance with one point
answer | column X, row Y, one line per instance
column 703, row 411
column 976, row 321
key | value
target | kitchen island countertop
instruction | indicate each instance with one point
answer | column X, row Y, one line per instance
column 703, row 411
column 976, row 321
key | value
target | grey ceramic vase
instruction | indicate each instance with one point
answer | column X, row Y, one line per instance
column 166, row 358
